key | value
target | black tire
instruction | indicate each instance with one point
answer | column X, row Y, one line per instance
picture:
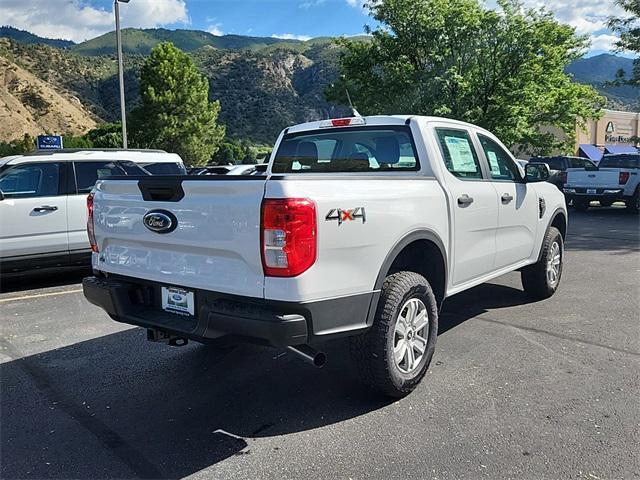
column 633, row 205
column 580, row 205
column 535, row 280
column 373, row 352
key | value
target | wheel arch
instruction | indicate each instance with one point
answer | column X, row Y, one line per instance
column 559, row 220
column 420, row 251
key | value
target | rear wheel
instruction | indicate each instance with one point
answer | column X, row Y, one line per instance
column 395, row 353
column 541, row 279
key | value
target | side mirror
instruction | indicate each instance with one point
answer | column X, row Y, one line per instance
column 1, row 196
column 536, row 172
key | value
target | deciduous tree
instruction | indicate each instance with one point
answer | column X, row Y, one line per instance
column 501, row 69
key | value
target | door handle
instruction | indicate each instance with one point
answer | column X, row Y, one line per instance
column 45, row 208
column 465, row 200
column 506, row 198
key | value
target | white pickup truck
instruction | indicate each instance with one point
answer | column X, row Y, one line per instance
column 615, row 180
column 360, row 227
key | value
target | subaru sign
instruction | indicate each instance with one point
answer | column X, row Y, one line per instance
column 49, row 142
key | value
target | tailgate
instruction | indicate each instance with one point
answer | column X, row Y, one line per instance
column 591, row 178
column 214, row 244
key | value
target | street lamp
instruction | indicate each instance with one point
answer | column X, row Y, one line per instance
column 123, row 114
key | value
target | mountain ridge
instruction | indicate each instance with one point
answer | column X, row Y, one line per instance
column 264, row 84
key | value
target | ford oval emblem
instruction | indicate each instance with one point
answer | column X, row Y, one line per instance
column 160, row 221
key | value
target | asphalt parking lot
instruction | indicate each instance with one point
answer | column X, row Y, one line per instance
column 516, row 389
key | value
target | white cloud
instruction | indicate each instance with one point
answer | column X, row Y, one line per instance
column 603, row 42
column 215, row 29
column 311, row 3
column 588, row 17
column 291, row 36
column 77, row 20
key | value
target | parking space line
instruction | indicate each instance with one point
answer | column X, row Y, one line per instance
column 38, row 295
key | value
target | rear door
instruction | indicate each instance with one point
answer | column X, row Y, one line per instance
column 83, row 177
column 517, row 205
column 474, row 202
column 214, row 242
column 34, row 209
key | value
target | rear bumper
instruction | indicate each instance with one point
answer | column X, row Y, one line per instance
column 221, row 316
column 600, row 194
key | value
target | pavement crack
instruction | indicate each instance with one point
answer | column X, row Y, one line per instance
column 128, row 454
column 558, row 335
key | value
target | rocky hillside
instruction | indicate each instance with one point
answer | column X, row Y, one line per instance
column 29, row 104
column 263, row 84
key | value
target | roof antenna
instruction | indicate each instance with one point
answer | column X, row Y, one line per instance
column 354, row 112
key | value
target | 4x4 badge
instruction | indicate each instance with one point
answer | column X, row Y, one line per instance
column 346, row 215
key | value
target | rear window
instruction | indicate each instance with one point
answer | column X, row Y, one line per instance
column 620, row 161
column 165, row 168
column 352, row 149
column 581, row 163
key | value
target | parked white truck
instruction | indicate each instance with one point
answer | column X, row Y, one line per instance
column 360, row 227
column 616, row 179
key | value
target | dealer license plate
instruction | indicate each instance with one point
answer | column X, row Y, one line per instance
column 178, row 300
column 591, row 191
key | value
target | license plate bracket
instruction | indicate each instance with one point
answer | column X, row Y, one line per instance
column 178, row 300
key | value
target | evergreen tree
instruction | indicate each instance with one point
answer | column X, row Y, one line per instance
column 175, row 113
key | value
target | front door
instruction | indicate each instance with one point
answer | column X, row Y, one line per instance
column 474, row 204
column 517, row 206
column 33, row 210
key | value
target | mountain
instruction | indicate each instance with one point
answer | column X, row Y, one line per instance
column 27, row 37
column 600, row 69
column 263, row 84
column 141, row 41
column 29, row 104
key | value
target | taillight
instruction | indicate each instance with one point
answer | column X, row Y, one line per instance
column 623, row 177
column 288, row 236
column 90, row 229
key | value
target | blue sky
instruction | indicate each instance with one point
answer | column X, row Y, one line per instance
column 79, row 20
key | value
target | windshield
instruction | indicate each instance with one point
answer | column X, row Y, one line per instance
column 362, row 149
column 620, row 161
column 165, row 168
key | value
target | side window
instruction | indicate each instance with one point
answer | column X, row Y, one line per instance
column 501, row 165
column 87, row 173
column 580, row 163
column 31, row 180
column 459, row 155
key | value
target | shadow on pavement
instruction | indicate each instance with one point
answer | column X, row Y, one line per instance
column 613, row 229
column 163, row 412
column 18, row 282
column 118, row 406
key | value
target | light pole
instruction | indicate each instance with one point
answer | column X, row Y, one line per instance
column 123, row 114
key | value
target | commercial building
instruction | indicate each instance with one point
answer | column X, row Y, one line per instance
column 615, row 132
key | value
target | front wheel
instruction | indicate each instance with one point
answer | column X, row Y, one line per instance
column 580, row 205
column 633, row 205
column 395, row 353
column 541, row 279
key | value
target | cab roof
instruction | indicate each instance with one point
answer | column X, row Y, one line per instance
column 93, row 154
column 379, row 120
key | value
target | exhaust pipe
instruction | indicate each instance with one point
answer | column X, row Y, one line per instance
column 309, row 354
